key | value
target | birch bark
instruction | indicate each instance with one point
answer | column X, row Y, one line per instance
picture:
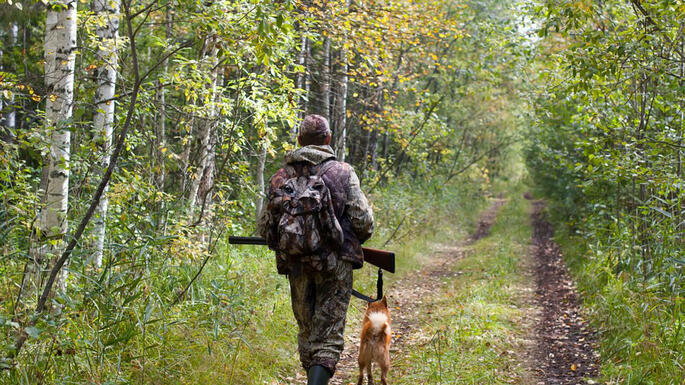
column 103, row 121
column 302, row 79
column 261, row 161
column 326, row 80
column 341, row 107
column 10, row 117
column 205, row 133
column 60, row 55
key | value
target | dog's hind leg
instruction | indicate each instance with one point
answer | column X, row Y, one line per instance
column 369, row 370
column 385, row 365
column 360, row 379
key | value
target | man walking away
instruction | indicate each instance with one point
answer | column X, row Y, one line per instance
column 316, row 219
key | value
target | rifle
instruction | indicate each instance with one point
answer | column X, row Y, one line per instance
column 380, row 258
column 384, row 260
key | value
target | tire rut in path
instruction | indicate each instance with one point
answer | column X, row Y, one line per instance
column 405, row 299
column 565, row 352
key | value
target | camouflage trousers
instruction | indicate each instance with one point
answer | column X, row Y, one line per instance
column 319, row 301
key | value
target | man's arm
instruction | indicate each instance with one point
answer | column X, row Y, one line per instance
column 358, row 209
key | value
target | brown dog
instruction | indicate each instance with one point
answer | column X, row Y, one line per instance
column 375, row 341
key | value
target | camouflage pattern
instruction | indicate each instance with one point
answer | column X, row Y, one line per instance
column 308, row 230
column 320, row 303
column 314, row 126
column 350, row 206
column 320, row 285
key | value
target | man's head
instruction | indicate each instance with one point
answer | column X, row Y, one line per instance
column 314, row 130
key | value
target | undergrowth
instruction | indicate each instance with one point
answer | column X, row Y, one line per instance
column 234, row 325
column 641, row 328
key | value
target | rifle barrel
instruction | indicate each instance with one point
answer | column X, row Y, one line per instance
column 233, row 240
column 381, row 258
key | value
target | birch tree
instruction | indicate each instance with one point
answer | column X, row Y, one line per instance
column 326, row 80
column 9, row 117
column 205, row 127
column 60, row 55
column 340, row 115
column 261, row 161
column 107, row 32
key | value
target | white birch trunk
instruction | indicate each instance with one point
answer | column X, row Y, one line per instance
column 12, row 113
column 341, row 110
column 60, row 55
column 301, row 81
column 205, row 128
column 261, row 161
column 9, row 117
column 103, row 121
column 326, row 80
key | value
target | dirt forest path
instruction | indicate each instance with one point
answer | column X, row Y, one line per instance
column 555, row 345
column 565, row 343
column 406, row 297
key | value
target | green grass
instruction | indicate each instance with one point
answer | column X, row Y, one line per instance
column 641, row 330
column 257, row 345
column 236, row 324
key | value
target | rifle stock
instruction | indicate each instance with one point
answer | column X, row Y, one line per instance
column 380, row 258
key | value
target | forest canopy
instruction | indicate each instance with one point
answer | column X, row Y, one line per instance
column 136, row 135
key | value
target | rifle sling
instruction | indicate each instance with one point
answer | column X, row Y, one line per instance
column 379, row 289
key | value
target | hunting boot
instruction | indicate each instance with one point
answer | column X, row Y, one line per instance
column 318, row 375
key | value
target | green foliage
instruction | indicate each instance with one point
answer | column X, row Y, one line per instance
column 607, row 149
column 431, row 109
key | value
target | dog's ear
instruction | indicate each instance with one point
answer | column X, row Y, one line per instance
column 384, row 301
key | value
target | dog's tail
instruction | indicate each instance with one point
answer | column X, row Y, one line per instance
column 378, row 321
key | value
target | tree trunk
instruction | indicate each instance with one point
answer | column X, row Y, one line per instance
column 374, row 134
column 11, row 116
column 207, row 181
column 60, row 55
column 340, row 130
column 385, row 146
column 302, row 80
column 261, row 161
column 326, row 80
column 160, row 133
column 204, row 132
column 373, row 149
column 107, row 31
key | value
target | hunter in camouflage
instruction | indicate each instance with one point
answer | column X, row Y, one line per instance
column 321, row 283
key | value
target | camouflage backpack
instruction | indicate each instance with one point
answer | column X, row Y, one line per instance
column 307, row 226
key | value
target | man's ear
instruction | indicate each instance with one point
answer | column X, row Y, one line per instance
column 299, row 141
column 327, row 141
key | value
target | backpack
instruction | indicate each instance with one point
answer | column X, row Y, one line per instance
column 307, row 226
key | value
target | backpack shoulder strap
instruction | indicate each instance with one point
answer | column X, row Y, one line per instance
column 290, row 171
column 325, row 166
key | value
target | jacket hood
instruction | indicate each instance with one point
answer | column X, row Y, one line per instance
column 313, row 154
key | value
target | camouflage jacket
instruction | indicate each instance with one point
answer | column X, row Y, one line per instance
column 350, row 206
